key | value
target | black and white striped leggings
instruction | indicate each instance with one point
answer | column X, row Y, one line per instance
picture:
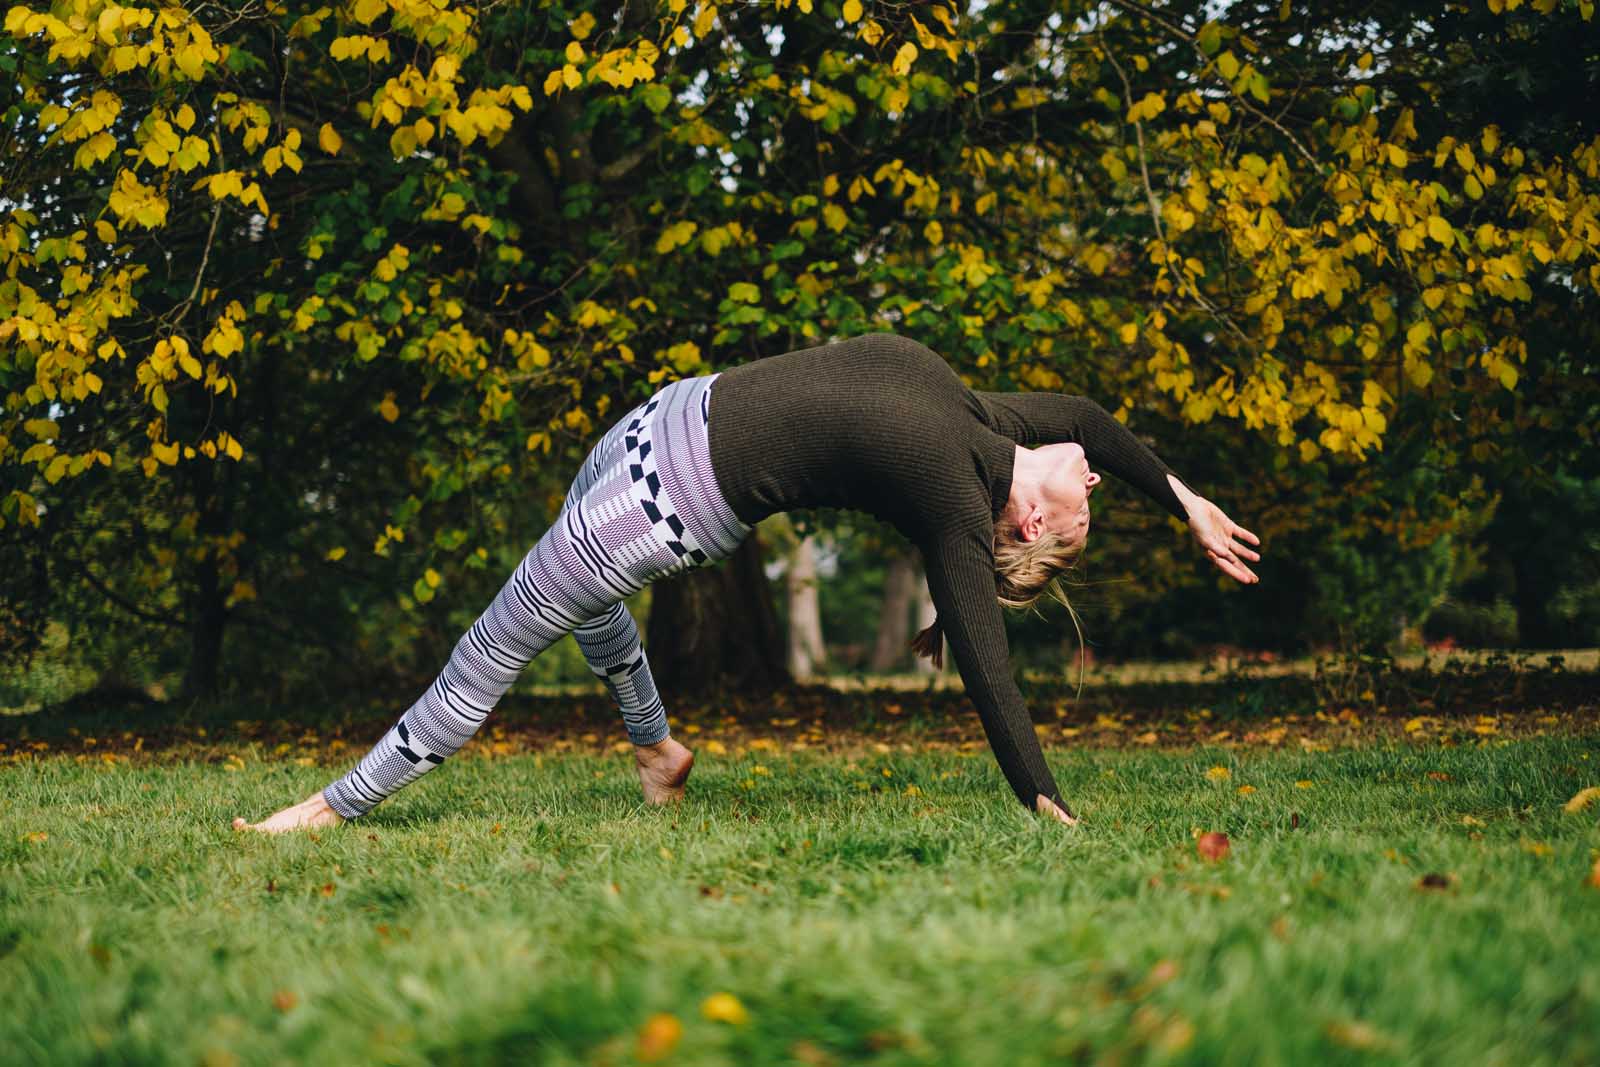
column 645, row 505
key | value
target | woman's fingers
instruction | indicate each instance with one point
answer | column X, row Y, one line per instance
column 1233, row 568
column 1046, row 806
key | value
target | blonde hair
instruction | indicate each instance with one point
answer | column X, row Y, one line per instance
column 1024, row 571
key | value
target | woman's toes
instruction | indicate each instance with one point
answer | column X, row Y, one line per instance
column 239, row 823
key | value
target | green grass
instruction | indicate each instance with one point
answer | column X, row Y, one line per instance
column 528, row 910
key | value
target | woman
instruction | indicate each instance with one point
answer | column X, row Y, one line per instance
column 877, row 423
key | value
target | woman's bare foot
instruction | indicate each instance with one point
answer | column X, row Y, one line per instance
column 663, row 768
column 310, row 813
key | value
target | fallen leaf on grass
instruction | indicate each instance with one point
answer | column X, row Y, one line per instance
column 1582, row 799
column 36, row 837
column 1594, row 876
column 658, row 1036
column 724, row 1008
column 1163, row 972
column 1434, row 882
column 1246, row 790
column 1439, row 776
column 284, row 1000
column 1212, row 847
column 1166, row 1033
column 810, row 1054
column 1355, row 1034
column 1218, row 774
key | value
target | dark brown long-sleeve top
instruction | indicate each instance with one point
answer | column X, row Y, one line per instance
column 882, row 424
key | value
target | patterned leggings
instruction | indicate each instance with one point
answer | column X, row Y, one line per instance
column 645, row 505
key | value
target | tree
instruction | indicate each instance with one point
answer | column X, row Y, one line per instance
column 284, row 283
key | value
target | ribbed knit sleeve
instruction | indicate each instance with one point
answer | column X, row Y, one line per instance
column 1049, row 418
column 960, row 572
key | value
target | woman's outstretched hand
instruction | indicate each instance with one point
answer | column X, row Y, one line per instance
column 1223, row 539
column 1046, row 806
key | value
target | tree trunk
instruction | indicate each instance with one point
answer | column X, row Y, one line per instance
column 889, row 651
column 715, row 629
column 207, row 616
column 926, row 613
column 806, row 650
column 1531, row 598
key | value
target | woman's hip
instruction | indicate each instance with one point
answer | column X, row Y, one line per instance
column 647, row 495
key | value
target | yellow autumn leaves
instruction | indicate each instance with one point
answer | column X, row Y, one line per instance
column 662, row 1032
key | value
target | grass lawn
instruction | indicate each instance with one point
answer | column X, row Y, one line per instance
column 1382, row 903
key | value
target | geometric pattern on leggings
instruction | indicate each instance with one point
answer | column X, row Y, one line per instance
column 645, row 504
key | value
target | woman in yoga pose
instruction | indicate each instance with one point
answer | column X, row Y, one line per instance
column 993, row 489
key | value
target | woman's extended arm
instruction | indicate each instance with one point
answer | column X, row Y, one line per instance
column 1049, row 418
column 960, row 570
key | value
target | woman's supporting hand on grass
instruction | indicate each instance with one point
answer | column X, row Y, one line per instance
column 1046, row 806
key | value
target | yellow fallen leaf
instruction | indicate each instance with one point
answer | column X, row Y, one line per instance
column 1304, row 783
column 1358, row 1035
column 1582, row 799
column 724, row 1008
column 1218, row 774
column 1246, row 790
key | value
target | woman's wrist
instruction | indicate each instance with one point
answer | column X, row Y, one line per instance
column 1186, row 496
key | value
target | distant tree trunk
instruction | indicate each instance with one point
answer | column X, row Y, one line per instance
column 926, row 613
column 207, row 616
column 208, row 608
column 1531, row 598
column 715, row 629
column 889, row 652
column 806, row 650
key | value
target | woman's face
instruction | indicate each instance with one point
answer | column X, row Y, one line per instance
column 1064, row 493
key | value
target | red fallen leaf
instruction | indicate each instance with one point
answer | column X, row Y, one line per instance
column 1594, row 876
column 284, row 1000
column 1213, row 846
column 1439, row 776
column 328, row 889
